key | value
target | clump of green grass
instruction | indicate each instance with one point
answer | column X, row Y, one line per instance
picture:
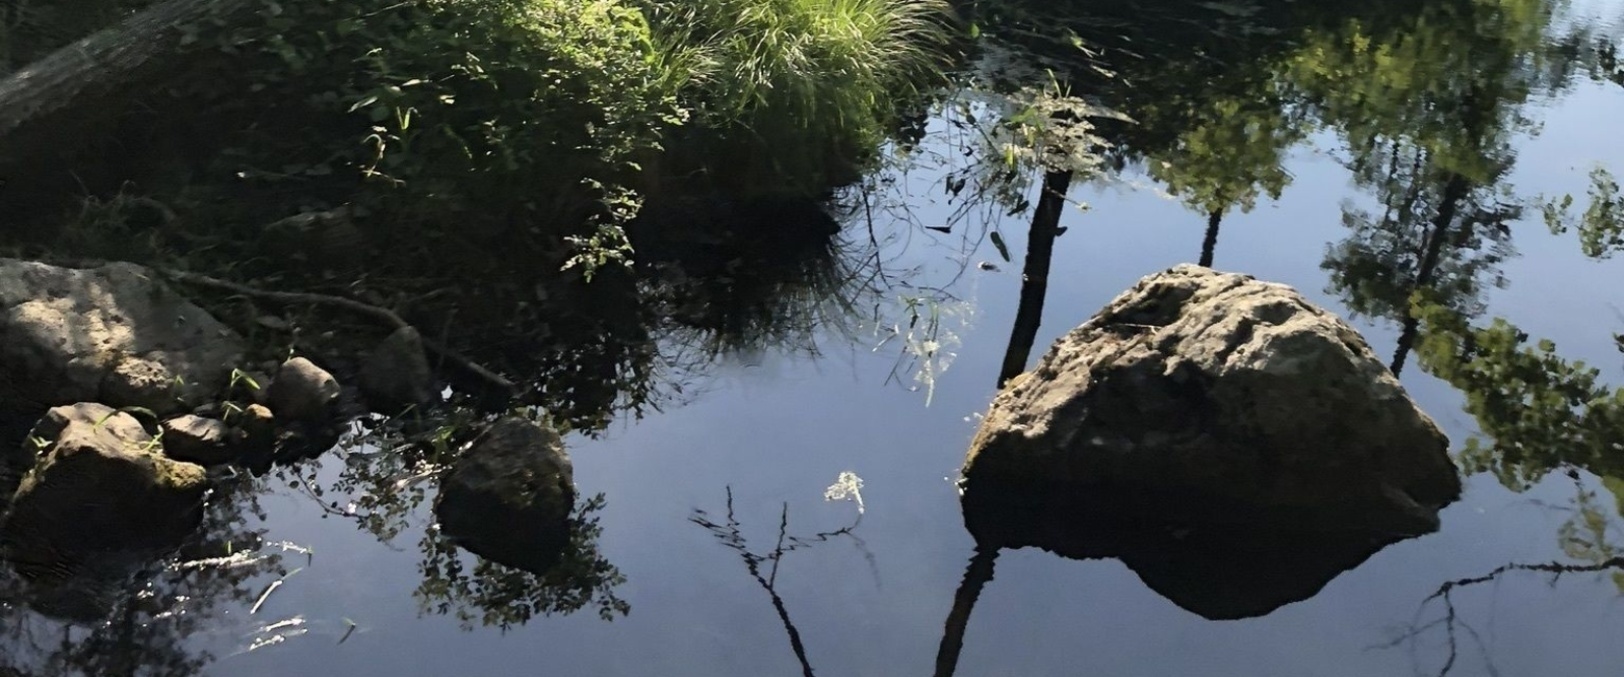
column 802, row 89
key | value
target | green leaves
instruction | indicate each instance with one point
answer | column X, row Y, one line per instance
column 1537, row 411
column 1601, row 226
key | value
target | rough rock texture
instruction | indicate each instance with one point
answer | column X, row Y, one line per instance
column 509, row 498
column 101, row 486
column 1214, row 398
column 1233, row 444
column 113, row 334
column 303, row 391
column 204, row 441
column 397, row 372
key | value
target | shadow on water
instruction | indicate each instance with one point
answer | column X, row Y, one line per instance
column 138, row 617
column 1217, row 573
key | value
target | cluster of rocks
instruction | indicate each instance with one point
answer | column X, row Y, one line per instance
column 137, row 391
column 1230, row 441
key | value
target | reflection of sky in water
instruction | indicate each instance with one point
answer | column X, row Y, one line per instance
column 781, row 430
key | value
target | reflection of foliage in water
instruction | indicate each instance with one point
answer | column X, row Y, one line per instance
column 147, row 620
column 385, row 482
column 503, row 597
column 1427, row 112
column 1601, row 225
column 1537, row 411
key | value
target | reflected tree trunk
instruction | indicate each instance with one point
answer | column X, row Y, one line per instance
column 1215, row 218
column 1035, row 273
column 964, row 601
column 1454, row 192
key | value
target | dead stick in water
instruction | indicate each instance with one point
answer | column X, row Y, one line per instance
column 383, row 315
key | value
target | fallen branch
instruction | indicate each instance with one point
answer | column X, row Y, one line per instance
column 1556, row 569
column 382, row 315
column 1450, row 620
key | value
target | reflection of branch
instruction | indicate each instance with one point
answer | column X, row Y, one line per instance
column 1451, row 621
column 732, row 536
column 383, row 315
column 975, row 578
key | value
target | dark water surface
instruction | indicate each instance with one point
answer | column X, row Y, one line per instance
column 773, row 430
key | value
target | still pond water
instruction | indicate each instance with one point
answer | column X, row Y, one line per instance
column 770, row 432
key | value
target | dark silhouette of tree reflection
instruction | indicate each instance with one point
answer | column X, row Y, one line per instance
column 731, row 535
column 386, row 478
column 123, row 623
column 499, row 596
column 1537, row 413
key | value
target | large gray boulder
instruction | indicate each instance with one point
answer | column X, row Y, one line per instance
column 509, row 497
column 101, row 485
column 114, row 334
column 1215, row 399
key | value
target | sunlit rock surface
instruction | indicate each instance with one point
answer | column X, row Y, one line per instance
column 113, row 334
column 1233, row 443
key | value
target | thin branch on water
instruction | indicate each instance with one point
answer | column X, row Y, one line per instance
column 731, row 535
column 383, row 315
column 1451, row 620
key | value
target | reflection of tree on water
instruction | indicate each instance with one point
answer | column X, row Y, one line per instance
column 142, row 622
column 1537, row 413
column 976, row 578
column 504, row 597
column 731, row 535
column 383, row 485
column 1427, row 122
column 1426, row 96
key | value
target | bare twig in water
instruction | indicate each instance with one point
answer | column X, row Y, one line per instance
column 730, row 534
column 376, row 313
column 348, row 632
column 270, row 589
column 1451, row 621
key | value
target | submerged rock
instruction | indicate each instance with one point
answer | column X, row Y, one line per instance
column 396, row 374
column 101, row 486
column 1233, row 443
column 303, row 391
column 113, row 334
column 509, row 497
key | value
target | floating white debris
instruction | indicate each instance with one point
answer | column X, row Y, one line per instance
column 847, row 487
